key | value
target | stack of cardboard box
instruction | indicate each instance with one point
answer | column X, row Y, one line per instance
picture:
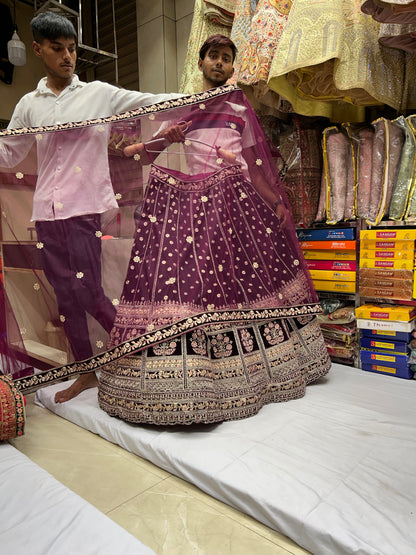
column 386, row 263
column 386, row 331
column 331, row 258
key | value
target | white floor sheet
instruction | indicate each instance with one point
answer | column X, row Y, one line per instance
column 40, row 516
column 334, row 471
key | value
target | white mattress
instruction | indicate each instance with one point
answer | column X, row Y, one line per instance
column 334, row 471
column 40, row 516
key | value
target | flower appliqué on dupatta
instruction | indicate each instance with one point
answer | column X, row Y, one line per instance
column 36, row 286
column 98, row 234
column 19, row 175
column 80, row 275
column 39, row 245
column 115, row 302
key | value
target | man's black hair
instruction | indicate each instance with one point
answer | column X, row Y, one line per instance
column 51, row 26
column 217, row 40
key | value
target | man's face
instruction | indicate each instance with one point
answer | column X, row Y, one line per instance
column 59, row 56
column 217, row 66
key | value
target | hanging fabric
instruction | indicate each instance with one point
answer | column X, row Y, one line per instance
column 315, row 70
column 214, row 309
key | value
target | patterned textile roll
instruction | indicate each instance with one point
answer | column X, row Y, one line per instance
column 12, row 410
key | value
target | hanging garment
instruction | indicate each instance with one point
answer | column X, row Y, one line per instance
column 215, row 306
column 201, row 28
column 402, row 12
column 329, row 53
column 300, row 147
column 255, row 57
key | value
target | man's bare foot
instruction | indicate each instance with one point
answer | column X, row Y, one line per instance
column 85, row 381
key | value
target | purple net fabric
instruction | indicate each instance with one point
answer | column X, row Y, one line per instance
column 202, row 308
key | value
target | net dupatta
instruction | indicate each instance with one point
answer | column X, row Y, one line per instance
column 105, row 254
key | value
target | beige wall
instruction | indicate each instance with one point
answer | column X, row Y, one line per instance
column 163, row 28
column 25, row 78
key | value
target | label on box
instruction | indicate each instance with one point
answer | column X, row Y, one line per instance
column 329, row 245
column 340, row 286
column 389, row 245
column 392, row 346
column 385, row 273
column 330, row 275
column 389, row 234
column 386, row 312
column 334, row 265
column 386, row 293
column 386, row 325
column 328, row 234
column 329, row 255
column 387, row 254
column 395, row 264
column 387, row 335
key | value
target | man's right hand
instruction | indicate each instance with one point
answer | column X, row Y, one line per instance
column 175, row 133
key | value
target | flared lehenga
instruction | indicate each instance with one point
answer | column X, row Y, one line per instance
column 209, row 246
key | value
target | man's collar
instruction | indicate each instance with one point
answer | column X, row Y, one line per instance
column 42, row 87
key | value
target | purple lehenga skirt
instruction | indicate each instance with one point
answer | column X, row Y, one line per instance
column 216, row 285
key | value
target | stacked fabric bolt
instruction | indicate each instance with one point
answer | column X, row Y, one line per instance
column 339, row 330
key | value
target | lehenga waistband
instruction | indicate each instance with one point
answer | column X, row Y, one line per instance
column 182, row 181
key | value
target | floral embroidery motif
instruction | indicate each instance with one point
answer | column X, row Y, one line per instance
column 98, row 234
column 219, row 161
column 115, row 302
column 259, row 162
column 247, row 340
column 273, row 333
column 189, row 239
column 19, row 175
column 204, row 199
column 80, row 275
column 165, row 349
column 36, row 286
column 199, row 342
column 221, row 346
column 78, row 169
column 170, row 281
column 118, row 196
column 136, row 157
column 39, row 245
column 152, row 219
column 137, row 259
column 202, row 106
column 62, row 318
column 172, row 180
column 100, row 344
column 59, row 205
column 268, row 230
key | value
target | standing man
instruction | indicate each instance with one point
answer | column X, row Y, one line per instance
column 68, row 202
